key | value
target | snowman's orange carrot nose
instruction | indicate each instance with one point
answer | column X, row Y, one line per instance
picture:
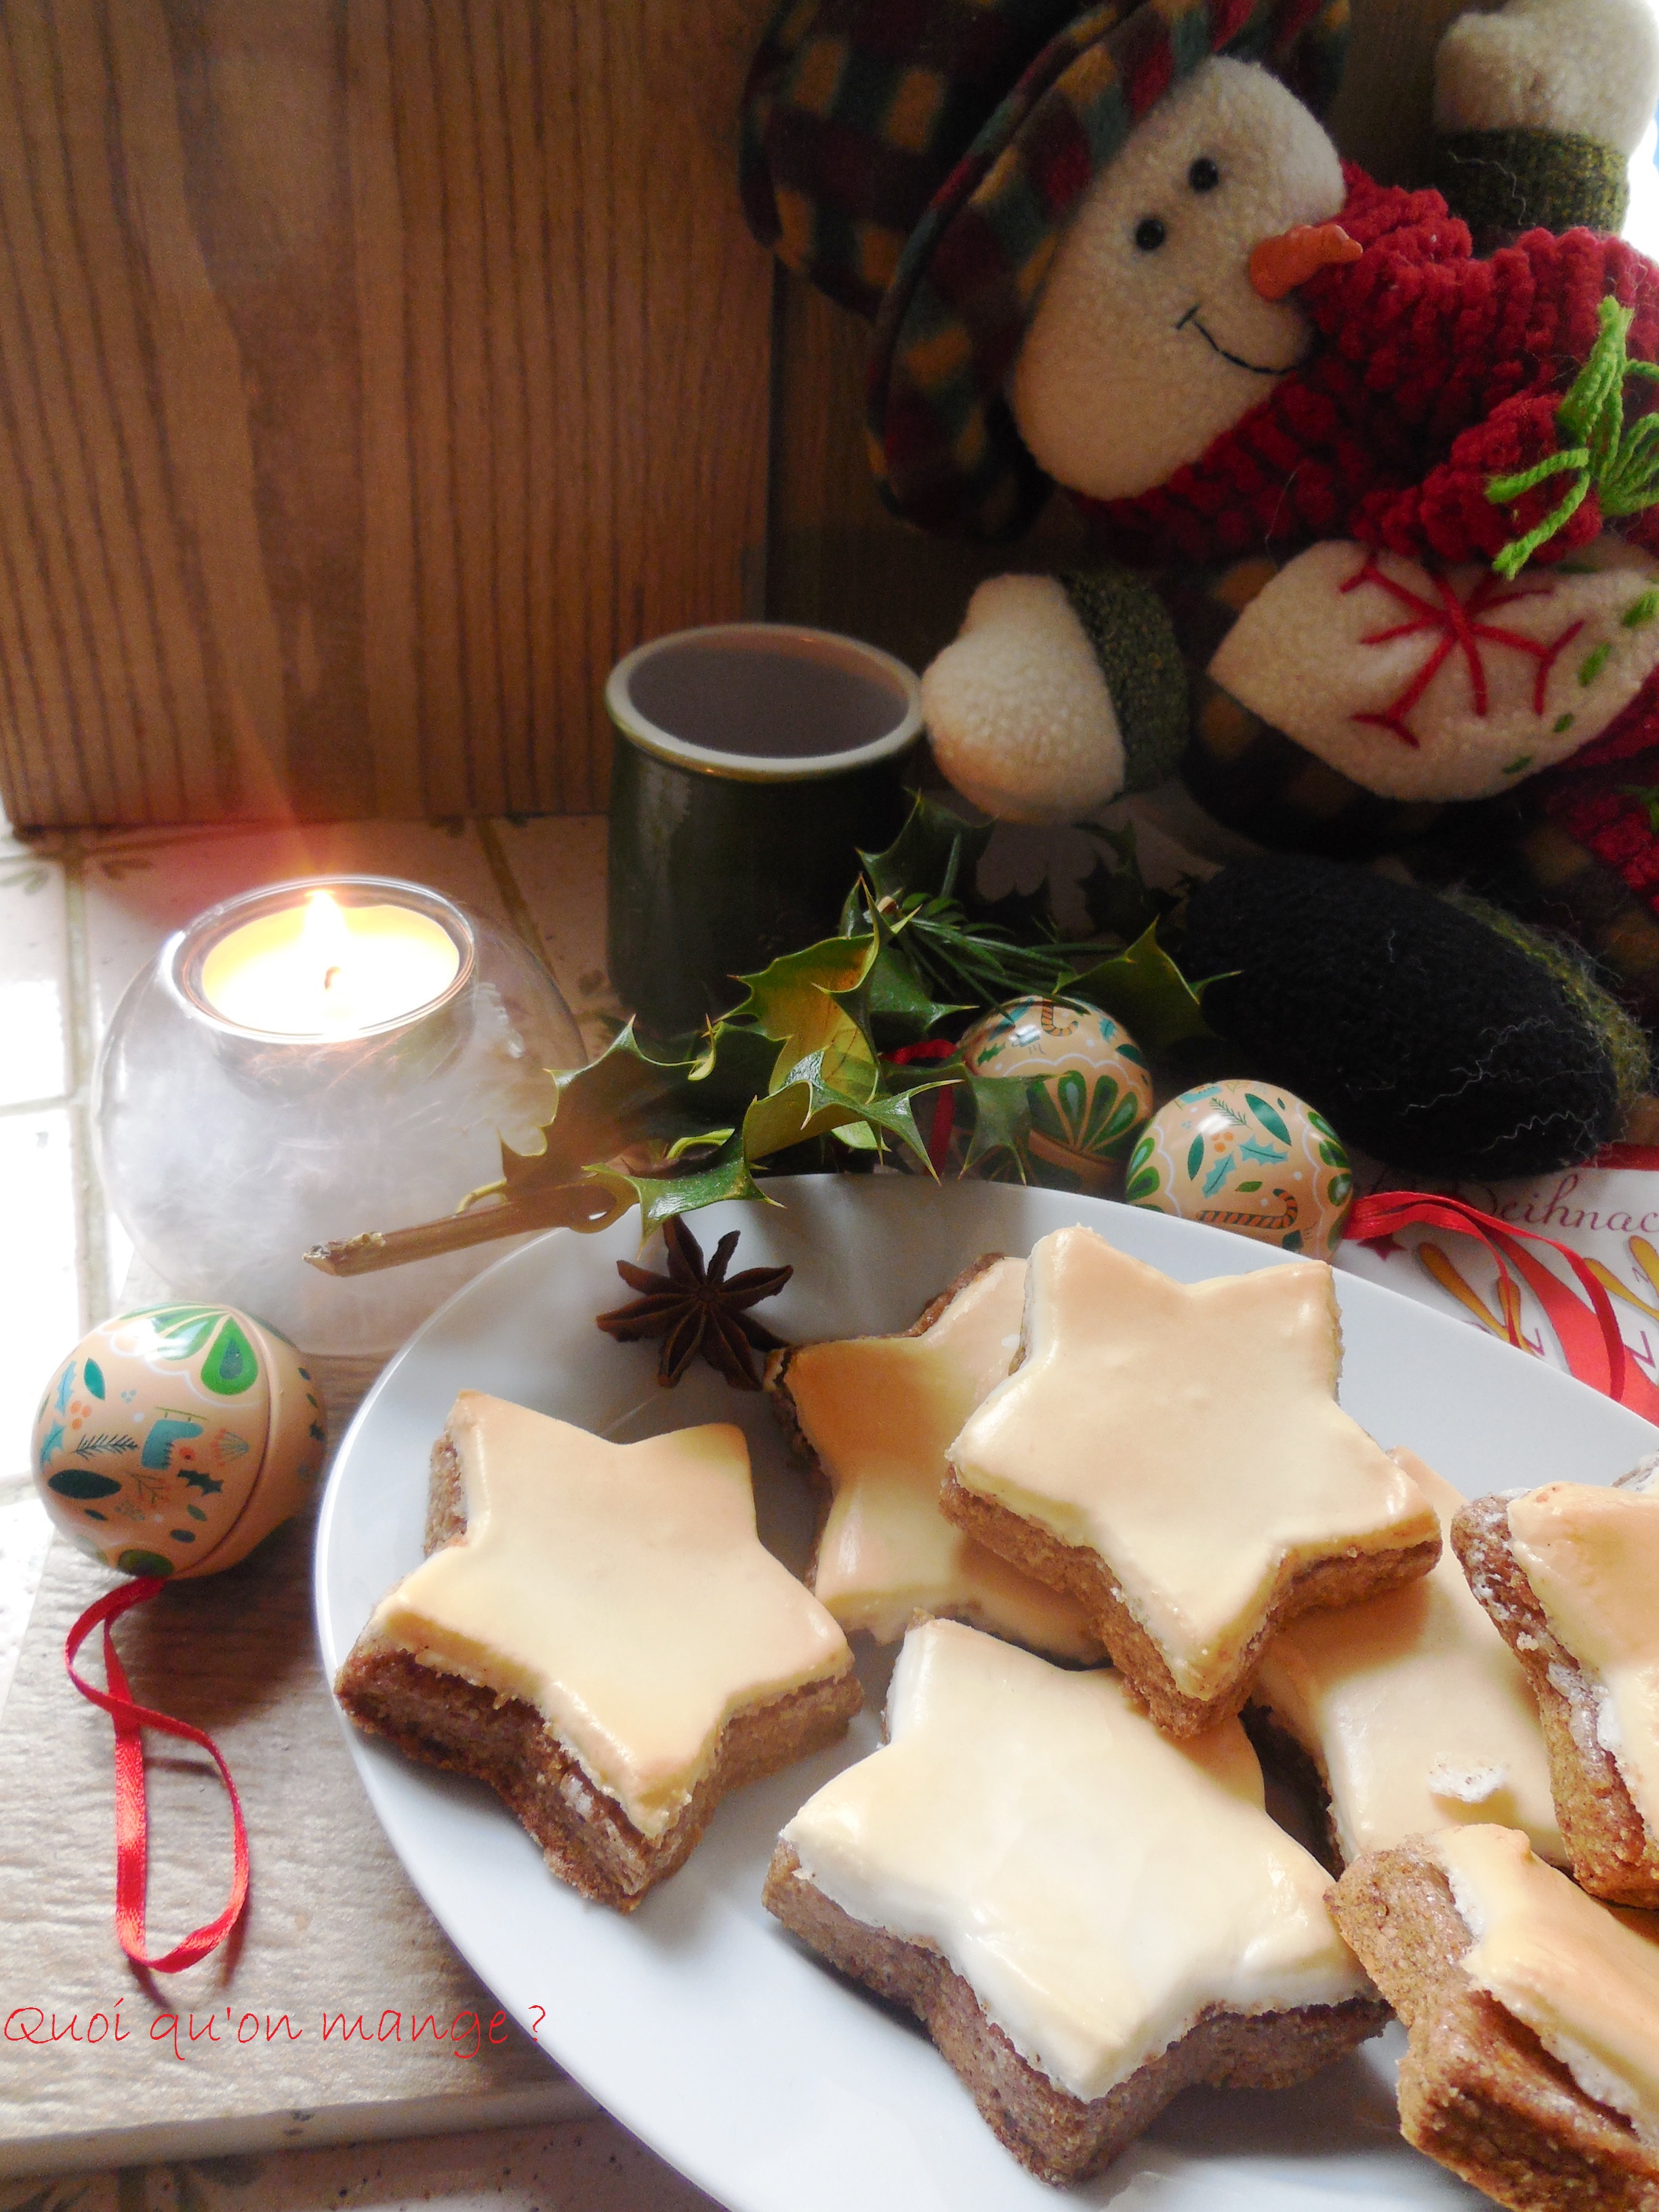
column 1278, row 265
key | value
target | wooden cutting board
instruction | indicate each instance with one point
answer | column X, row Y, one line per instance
column 333, row 1933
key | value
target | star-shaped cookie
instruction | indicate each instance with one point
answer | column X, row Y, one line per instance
column 1568, row 1575
column 1411, row 1708
column 1088, row 1916
column 606, row 1642
column 1531, row 2014
column 1174, row 1454
column 877, row 1414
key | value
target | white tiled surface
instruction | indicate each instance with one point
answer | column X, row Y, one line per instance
column 41, row 1305
column 549, row 861
column 79, row 916
column 34, row 1060
column 24, row 1533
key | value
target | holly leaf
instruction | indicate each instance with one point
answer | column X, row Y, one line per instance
column 897, row 1007
column 626, row 1098
column 1002, row 1121
column 1144, row 990
column 809, row 1107
column 732, row 1067
column 789, row 997
column 799, row 1057
column 789, row 1064
column 1114, row 892
column 1026, row 917
column 894, row 1004
column 826, row 1076
column 797, row 1003
column 622, row 1098
column 892, row 1112
column 935, row 853
column 660, row 1197
column 790, row 1116
column 856, row 1136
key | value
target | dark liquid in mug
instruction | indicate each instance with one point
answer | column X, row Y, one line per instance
column 782, row 701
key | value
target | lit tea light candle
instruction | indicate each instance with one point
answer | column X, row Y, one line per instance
column 309, row 1060
column 317, row 969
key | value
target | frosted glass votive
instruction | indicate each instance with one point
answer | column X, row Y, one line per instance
column 284, row 1073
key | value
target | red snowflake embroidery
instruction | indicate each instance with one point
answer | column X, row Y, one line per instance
column 1458, row 626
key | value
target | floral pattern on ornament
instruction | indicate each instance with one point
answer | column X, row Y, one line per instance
column 1248, row 1157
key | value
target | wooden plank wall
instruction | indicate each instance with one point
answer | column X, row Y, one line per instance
column 375, row 372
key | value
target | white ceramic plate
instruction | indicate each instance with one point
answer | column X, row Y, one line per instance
column 696, row 2021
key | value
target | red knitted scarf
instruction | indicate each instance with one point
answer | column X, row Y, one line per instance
column 1431, row 373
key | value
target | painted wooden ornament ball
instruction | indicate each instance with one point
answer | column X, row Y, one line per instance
column 1086, row 1084
column 170, row 1441
column 1247, row 1156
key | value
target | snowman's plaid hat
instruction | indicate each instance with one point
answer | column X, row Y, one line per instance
column 918, row 160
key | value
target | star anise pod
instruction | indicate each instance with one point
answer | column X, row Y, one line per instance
column 696, row 1309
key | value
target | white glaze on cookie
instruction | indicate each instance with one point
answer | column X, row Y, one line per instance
column 880, row 1412
column 1583, row 1977
column 620, row 1590
column 1415, row 1709
column 1189, row 1434
column 1097, row 1884
column 1591, row 1557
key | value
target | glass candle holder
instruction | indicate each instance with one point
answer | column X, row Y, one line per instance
column 312, row 1060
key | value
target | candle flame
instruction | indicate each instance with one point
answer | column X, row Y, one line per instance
column 325, row 940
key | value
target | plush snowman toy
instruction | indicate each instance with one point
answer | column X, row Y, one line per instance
column 1152, row 338
column 1398, row 505
column 1174, row 305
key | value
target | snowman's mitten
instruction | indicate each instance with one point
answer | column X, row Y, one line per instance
column 1057, row 695
column 1540, row 108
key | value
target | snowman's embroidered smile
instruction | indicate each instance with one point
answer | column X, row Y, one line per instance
column 1108, row 390
column 1237, row 359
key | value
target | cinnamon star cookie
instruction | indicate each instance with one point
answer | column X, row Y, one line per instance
column 1173, row 1454
column 1532, row 2013
column 875, row 1415
column 1087, row 1916
column 599, row 1635
column 1570, row 1574
column 1411, row 1708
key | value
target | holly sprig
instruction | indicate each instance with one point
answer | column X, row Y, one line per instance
column 807, row 1054
column 909, row 894
column 805, row 1058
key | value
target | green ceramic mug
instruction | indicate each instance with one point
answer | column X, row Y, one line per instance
column 752, row 763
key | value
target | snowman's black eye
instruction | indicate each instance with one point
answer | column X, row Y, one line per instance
column 1204, row 176
column 1150, row 234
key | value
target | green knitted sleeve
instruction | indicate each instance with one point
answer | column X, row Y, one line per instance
column 1134, row 641
column 1504, row 182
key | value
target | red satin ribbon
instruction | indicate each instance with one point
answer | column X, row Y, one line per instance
column 131, row 1815
column 1590, row 1339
